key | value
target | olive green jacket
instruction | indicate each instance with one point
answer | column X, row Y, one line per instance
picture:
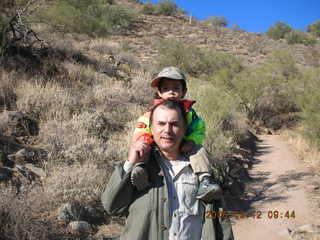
column 147, row 211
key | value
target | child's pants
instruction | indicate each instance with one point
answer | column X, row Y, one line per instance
column 199, row 160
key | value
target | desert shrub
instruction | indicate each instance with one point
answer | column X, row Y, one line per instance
column 140, row 88
column 93, row 17
column 166, row 8
column 81, row 183
column 49, row 101
column 7, row 91
column 213, row 62
column 102, row 47
column 119, row 19
column 314, row 28
column 67, row 146
column 91, row 124
column 217, row 21
column 236, row 27
column 307, row 98
column 295, row 37
column 148, row 8
column 196, row 61
column 265, row 91
column 278, row 30
column 80, row 76
column 220, row 110
column 29, row 216
column 177, row 53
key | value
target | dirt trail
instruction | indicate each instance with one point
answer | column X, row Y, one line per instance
column 278, row 184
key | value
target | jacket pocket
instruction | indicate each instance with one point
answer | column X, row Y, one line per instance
column 187, row 188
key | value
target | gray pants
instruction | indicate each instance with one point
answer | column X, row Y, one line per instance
column 199, row 160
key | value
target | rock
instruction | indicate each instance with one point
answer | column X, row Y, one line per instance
column 27, row 173
column 80, row 227
column 29, row 155
column 4, row 161
column 93, row 215
column 74, row 211
column 5, row 174
column 18, row 124
column 71, row 211
column 9, row 145
column 38, row 171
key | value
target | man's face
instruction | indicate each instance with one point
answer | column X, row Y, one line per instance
column 168, row 129
column 171, row 89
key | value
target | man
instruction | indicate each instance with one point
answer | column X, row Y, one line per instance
column 168, row 208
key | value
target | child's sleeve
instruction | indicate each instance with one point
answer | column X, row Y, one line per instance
column 142, row 131
column 196, row 130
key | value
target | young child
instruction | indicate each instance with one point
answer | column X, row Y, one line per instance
column 171, row 85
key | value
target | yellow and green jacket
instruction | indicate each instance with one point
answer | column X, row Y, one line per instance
column 195, row 129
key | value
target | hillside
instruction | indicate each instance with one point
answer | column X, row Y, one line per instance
column 251, row 48
column 74, row 81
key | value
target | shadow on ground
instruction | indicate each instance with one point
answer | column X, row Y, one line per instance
column 260, row 188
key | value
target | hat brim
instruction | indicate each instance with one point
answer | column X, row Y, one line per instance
column 155, row 82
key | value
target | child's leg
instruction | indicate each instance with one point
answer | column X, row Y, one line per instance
column 208, row 188
column 199, row 160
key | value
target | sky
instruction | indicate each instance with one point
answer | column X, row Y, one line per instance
column 254, row 15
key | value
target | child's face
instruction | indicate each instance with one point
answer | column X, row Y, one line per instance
column 171, row 89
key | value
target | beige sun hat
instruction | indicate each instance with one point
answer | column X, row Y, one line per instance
column 168, row 72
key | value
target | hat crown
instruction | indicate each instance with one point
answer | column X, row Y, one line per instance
column 172, row 73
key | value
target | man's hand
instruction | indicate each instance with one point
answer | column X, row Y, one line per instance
column 139, row 152
column 187, row 146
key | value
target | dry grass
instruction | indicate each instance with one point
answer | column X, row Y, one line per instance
column 67, row 146
column 303, row 148
column 110, row 230
column 7, row 91
column 29, row 217
column 101, row 46
column 49, row 101
column 79, row 182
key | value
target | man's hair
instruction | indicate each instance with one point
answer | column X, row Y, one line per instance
column 173, row 105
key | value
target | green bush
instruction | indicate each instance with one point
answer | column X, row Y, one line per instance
column 217, row 21
column 314, row 29
column 295, row 37
column 221, row 112
column 307, row 98
column 278, row 30
column 92, row 17
column 164, row 7
column 167, row 8
column 196, row 61
column 236, row 27
column 265, row 91
column 148, row 8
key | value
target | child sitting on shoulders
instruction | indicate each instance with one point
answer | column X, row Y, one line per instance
column 171, row 85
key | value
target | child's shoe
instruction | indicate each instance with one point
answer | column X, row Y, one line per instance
column 139, row 177
column 208, row 189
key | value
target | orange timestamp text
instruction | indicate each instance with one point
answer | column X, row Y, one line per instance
column 270, row 214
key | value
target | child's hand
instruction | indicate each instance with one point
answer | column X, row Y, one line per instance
column 187, row 146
